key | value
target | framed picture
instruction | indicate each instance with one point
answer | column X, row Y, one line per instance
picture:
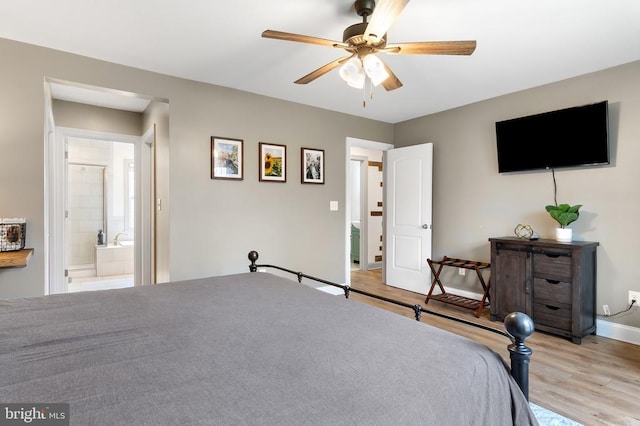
column 312, row 165
column 227, row 158
column 273, row 162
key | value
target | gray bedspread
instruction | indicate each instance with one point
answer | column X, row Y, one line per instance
column 247, row 349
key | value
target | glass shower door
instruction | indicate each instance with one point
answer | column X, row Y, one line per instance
column 85, row 216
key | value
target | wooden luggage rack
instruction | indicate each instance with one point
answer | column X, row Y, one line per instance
column 452, row 299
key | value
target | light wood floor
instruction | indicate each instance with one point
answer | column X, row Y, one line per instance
column 594, row 383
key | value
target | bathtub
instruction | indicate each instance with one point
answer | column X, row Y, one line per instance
column 115, row 259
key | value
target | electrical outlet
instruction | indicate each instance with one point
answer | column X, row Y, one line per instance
column 606, row 310
column 461, row 271
column 634, row 295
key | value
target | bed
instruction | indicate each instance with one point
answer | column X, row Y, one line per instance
column 245, row 349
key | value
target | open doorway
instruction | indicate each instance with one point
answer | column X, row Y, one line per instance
column 365, row 209
column 100, row 182
column 128, row 124
column 397, row 220
column 100, row 222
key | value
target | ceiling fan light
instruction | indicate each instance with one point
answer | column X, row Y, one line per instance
column 352, row 73
column 375, row 69
column 357, row 84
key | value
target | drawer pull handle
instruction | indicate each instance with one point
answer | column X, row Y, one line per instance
column 553, row 308
column 551, row 254
column 553, row 282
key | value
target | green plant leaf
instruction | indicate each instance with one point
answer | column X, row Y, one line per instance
column 574, row 209
column 564, row 214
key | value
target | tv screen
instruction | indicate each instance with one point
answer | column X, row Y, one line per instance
column 564, row 138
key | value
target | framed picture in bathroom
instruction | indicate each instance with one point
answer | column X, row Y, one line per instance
column 227, row 158
column 273, row 162
column 312, row 165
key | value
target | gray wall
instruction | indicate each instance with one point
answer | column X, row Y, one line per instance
column 99, row 119
column 213, row 223
column 472, row 202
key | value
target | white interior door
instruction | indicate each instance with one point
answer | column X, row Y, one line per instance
column 408, row 227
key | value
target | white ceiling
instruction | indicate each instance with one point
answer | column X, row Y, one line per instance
column 521, row 44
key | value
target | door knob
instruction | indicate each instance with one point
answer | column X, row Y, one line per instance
column 425, row 226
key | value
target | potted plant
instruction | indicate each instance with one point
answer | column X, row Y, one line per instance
column 564, row 214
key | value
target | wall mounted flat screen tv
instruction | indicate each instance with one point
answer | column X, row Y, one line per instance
column 570, row 137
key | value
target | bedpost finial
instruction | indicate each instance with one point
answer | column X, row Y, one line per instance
column 253, row 256
column 519, row 325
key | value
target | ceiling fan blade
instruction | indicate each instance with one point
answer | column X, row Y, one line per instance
column 280, row 35
column 432, row 48
column 384, row 15
column 392, row 82
column 322, row 70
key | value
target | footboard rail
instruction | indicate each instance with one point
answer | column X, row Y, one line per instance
column 518, row 325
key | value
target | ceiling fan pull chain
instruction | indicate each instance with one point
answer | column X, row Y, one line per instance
column 364, row 94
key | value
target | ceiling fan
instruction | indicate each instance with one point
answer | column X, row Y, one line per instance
column 363, row 40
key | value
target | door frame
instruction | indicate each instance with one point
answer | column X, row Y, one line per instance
column 57, row 188
column 366, row 144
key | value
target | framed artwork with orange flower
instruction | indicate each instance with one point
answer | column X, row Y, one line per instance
column 273, row 162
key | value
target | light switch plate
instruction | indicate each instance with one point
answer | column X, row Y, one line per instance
column 333, row 206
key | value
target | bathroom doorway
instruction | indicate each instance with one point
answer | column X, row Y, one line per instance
column 100, row 212
column 75, row 110
column 127, row 214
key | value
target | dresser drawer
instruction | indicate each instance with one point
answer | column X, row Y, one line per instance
column 552, row 316
column 545, row 264
column 547, row 289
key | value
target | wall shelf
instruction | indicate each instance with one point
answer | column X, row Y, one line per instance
column 15, row 259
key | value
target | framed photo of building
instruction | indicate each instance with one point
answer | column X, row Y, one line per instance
column 273, row 162
column 227, row 158
column 312, row 165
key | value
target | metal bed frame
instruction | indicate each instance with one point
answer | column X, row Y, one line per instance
column 519, row 326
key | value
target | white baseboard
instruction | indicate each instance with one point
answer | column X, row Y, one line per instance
column 463, row 293
column 617, row 331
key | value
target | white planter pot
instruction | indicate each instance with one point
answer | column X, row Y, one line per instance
column 563, row 235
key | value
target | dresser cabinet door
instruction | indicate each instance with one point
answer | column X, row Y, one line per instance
column 510, row 283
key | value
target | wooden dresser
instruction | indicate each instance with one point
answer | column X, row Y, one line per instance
column 552, row 282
